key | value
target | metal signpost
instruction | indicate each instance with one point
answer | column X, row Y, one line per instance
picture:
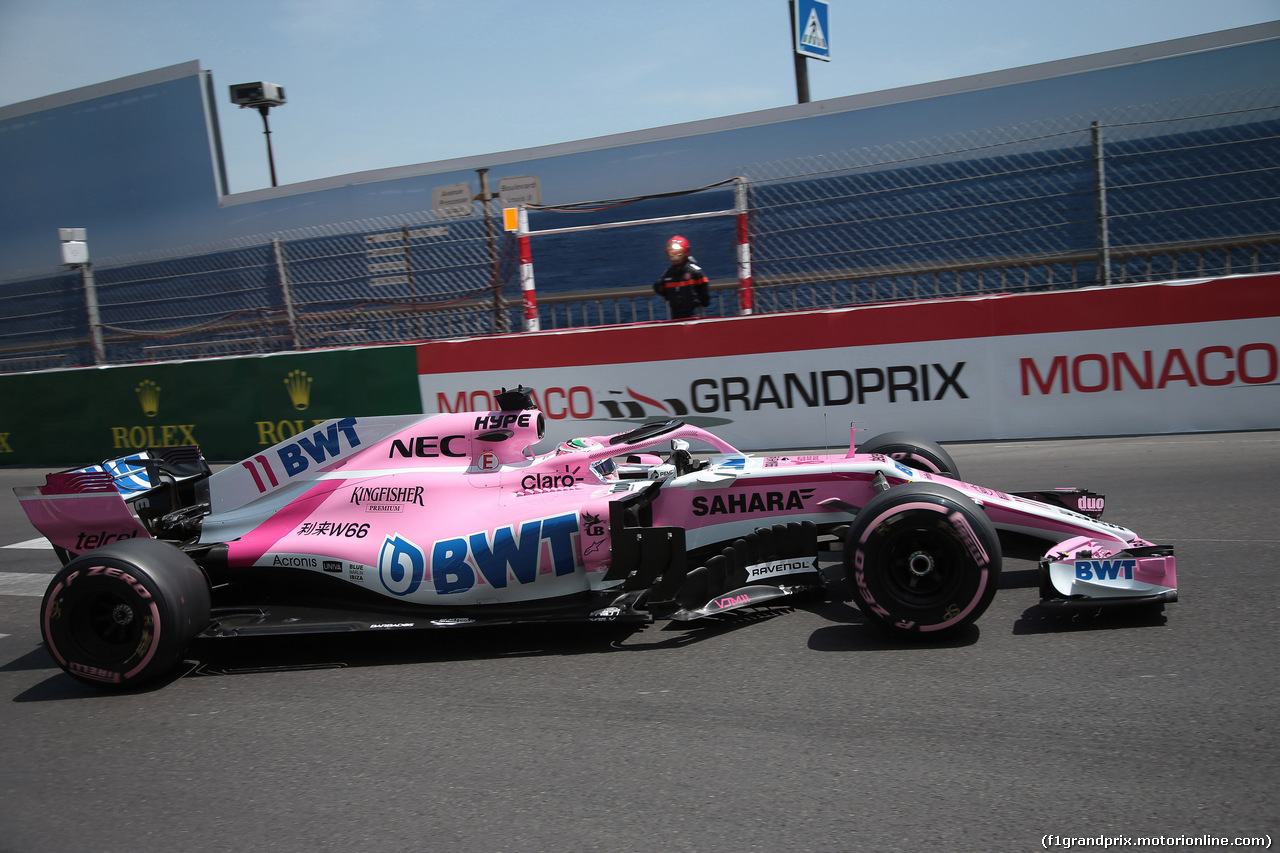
column 810, row 36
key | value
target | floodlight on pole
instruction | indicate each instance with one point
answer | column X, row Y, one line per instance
column 75, row 254
column 262, row 97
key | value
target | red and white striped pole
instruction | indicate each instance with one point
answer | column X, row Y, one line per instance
column 527, row 290
column 746, row 298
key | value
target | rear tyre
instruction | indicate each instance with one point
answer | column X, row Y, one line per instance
column 914, row 452
column 923, row 560
column 123, row 614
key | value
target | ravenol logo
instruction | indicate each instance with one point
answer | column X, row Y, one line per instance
column 1105, row 570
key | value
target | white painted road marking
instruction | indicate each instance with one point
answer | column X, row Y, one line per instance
column 24, row 583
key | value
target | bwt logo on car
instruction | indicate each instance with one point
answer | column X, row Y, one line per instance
column 1105, row 570
column 296, row 456
column 404, row 566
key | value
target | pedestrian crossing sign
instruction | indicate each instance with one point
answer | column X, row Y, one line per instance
column 812, row 34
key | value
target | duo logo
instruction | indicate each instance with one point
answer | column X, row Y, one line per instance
column 403, row 565
column 1105, row 570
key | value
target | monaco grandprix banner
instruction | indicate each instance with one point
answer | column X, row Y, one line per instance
column 1153, row 358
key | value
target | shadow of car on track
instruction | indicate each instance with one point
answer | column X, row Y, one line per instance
column 1041, row 620
column 247, row 656
column 851, row 632
column 848, row 630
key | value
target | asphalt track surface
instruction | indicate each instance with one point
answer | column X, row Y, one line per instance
column 797, row 729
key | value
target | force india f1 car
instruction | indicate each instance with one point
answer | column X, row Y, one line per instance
column 434, row 521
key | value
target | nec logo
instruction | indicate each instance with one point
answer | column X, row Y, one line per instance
column 1105, row 570
column 428, row 446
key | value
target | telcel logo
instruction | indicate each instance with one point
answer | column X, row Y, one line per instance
column 88, row 541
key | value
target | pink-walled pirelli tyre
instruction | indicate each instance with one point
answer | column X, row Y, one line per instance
column 913, row 451
column 123, row 614
column 923, row 560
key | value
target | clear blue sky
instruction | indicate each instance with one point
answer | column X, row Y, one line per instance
column 381, row 83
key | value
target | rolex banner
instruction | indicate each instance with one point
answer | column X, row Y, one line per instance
column 1187, row 356
column 231, row 407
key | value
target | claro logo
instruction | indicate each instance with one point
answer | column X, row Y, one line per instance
column 1089, row 373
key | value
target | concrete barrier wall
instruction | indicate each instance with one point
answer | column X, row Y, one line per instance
column 1156, row 358
column 230, row 407
column 1176, row 357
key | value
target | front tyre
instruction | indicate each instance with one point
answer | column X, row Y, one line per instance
column 123, row 614
column 914, row 451
column 923, row 560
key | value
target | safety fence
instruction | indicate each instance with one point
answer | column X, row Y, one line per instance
column 1175, row 190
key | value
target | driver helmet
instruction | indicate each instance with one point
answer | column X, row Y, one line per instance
column 677, row 249
column 578, row 445
column 604, row 467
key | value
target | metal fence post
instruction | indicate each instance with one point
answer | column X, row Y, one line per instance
column 1100, row 195
column 91, row 308
column 746, row 297
column 527, row 288
column 286, row 291
column 495, row 277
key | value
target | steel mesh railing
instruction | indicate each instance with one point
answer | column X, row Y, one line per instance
column 1175, row 190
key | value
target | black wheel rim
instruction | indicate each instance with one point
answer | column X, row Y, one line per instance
column 107, row 625
column 924, row 565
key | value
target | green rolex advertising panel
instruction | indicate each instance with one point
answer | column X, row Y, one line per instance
column 231, row 407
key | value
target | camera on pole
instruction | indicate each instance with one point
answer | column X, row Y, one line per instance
column 262, row 97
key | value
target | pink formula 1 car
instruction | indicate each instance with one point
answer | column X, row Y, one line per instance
column 449, row 520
